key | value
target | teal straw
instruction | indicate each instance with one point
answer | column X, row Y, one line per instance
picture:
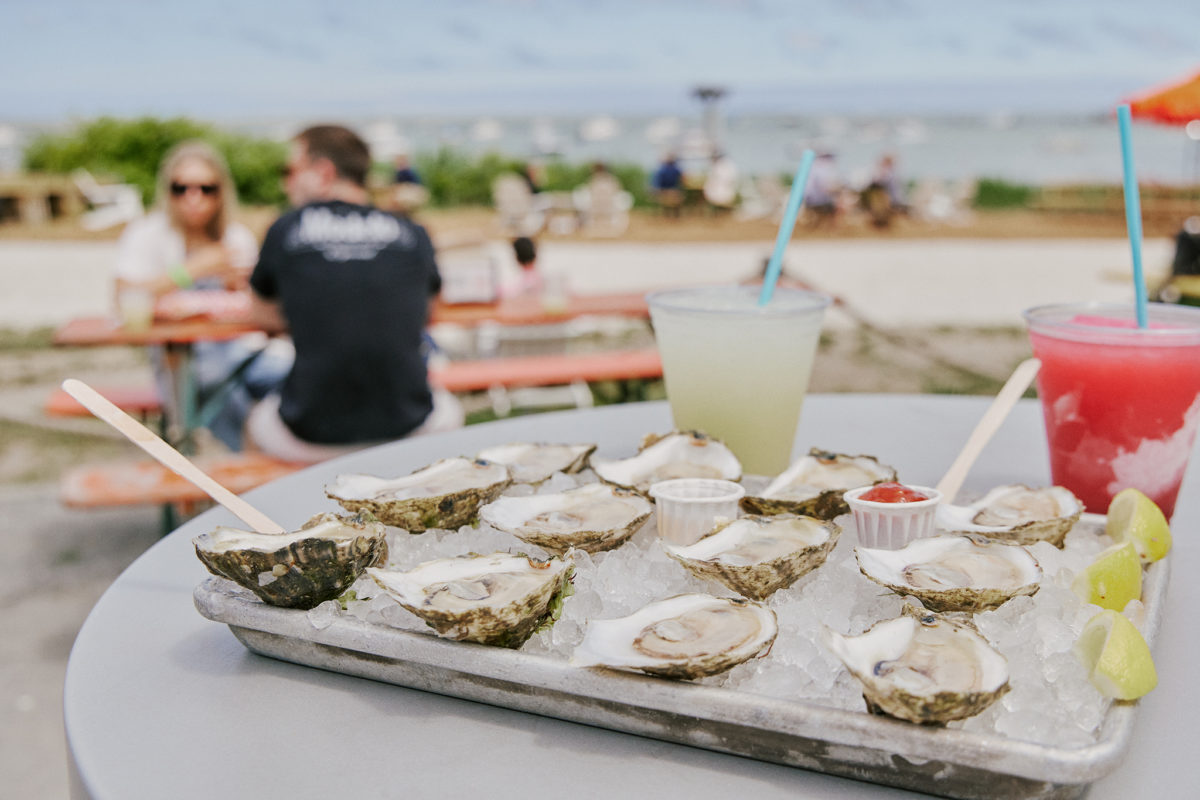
column 775, row 265
column 1133, row 213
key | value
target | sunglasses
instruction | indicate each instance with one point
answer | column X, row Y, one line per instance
column 207, row 189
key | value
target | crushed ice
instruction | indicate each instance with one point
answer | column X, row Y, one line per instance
column 1050, row 702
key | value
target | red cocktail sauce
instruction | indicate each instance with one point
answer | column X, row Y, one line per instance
column 892, row 492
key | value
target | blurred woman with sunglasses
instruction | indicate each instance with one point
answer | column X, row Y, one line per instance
column 191, row 241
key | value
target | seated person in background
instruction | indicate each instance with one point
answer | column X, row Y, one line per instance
column 883, row 198
column 820, row 196
column 667, row 185
column 191, row 241
column 404, row 170
column 408, row 194
column 529, row 280
column 720, row 187
column 352, row 284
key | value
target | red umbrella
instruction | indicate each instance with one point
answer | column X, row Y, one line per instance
column 1177, row 103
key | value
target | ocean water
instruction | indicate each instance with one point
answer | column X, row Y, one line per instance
column 1035, row 149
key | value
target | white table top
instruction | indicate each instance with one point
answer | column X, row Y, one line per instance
column 160, row 702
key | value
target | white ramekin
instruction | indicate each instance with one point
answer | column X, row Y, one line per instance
column 890, row 526
column 688, row 508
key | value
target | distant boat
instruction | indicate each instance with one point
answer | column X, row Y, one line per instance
column 546, row 140
column 663, row 130
column 385, row 139
column 599, row 129
column 487, row 130
column 695, row 144
column 911, row 131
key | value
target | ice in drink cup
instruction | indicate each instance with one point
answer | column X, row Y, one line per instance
column 136, row 307
column 1121, row 403
column 736, row 370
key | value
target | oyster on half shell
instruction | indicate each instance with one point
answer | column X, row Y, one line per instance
column 534, row 463
column 446, row 494
column 595, row 517
column 813, row 485
column 680, row 454
column 300, row 569
column 954, row 573
column 686, row 636
column 497, row 599
column 923, row 669
column 1015, row 514
column 757, row 555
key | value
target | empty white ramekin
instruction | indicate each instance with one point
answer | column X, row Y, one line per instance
column 890, row 526
column 688, row 508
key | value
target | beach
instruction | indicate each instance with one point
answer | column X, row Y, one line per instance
column 919, row 314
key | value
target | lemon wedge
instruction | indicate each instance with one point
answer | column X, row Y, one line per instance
column 1116, row 656
column 1133, row 517
column 1113, row 579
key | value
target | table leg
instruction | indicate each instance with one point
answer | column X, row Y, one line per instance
column 179, row 408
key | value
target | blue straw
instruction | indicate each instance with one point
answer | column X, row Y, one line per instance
column 775, row 265
column 1133, row 214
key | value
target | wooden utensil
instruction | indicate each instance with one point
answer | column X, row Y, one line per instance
column 168, row 456
column 1008, row 396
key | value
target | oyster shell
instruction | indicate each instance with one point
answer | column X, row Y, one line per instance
column 300, row 569
column 813, row 485
column 686, row 636
column 534, row 463
column 497, row 599
column 923, row 669
column 954, row 573
column 680, row 454
column 1015, row 514
column 756, row 555
column 594, row 518
column 446, row 494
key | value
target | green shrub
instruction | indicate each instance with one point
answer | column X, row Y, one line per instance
column 454, row 178
column 995, row 193
column 131, row 150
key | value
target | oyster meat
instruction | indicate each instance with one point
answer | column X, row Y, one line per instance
column 534, row 463
column 813, row 485
column 680, row 454
column 954, row 573
column 686, row 636
column 1015, row 514
column 757, row 555
column 923, row 669
column 446, row 494
column 594, row 518
column 300, row 569
column 497, row 599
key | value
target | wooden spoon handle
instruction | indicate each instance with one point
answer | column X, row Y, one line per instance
column 1008, row 396
column 168, row 456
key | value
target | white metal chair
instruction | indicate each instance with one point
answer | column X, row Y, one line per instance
column 515, row 206
column 603, row 205
column 112, row 203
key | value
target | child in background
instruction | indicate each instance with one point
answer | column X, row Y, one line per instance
column 529, row 281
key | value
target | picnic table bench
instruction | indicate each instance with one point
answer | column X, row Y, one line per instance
column 147, row 482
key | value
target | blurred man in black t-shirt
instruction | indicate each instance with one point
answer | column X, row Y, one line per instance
column 352, row 285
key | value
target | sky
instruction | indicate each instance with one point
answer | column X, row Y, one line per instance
column 230, row 59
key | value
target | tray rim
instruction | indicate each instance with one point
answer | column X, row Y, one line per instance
column 916, row 744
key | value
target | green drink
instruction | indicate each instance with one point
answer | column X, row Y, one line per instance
column 738, row 371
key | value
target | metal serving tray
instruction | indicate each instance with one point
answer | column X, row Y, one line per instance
column 941, row 761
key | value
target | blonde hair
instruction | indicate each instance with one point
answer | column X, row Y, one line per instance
column 201, row 151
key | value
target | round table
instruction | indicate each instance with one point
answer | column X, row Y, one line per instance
column 160, row 702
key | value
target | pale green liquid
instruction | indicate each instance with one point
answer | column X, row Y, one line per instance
column 739, row 378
